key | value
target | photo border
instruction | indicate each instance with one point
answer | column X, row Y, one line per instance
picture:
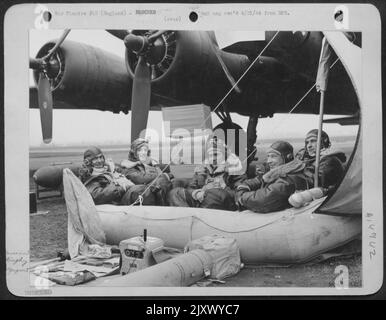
column 20, row 18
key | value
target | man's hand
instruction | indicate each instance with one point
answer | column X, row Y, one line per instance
column 110, row 165
column 239, row 192
column 260, row 170
column 128, row 164
column 243, row 187
column 154, row 188
column 238, row 195
column 198, row 195
column 124, row 183
column 119, row 192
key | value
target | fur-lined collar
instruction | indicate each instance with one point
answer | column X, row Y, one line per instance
column 232, row 165
column 324, row 153
column 283, row 170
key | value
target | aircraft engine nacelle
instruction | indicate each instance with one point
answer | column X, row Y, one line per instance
column 87, row 77
column 185, row 68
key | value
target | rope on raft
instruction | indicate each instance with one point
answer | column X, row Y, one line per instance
column 211, row 226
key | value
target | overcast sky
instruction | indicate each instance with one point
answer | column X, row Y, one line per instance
column 109, row 128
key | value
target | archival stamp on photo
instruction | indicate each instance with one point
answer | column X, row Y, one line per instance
column 193, row 150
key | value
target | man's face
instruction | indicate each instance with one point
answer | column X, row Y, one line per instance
column 274, row 160
column 98, row 161
column 143, row 153
column 311, row 146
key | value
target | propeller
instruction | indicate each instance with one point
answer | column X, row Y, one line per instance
column 140, row 100
column 45, row 106
column 46, row 66
column 156, row 35
column 146, row 50
column 120, row 34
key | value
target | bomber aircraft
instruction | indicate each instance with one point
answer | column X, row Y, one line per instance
column 254, row 76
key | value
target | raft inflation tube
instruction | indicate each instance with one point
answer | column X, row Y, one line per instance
column 288, row 236
column 181, row 271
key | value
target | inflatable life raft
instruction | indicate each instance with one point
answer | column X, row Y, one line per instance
column 293, row 235
column 289, row 236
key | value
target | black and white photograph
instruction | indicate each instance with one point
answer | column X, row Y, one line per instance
column 187, row 161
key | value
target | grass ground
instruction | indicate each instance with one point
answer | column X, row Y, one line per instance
column 48, row 232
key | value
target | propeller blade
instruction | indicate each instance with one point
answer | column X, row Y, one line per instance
column 140, row 102
column 45, row 106
column 155, row 35
column 57, row 44
column 120, row 34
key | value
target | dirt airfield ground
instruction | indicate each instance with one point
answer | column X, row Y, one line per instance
column 48, row 235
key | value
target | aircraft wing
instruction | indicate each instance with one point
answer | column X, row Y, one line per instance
column 227, row 38
column 158, row 101
column 344, row 121
column 33, row 101
column 199, row 67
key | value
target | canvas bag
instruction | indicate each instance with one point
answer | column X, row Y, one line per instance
column 85, row 233
column 224, row 251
